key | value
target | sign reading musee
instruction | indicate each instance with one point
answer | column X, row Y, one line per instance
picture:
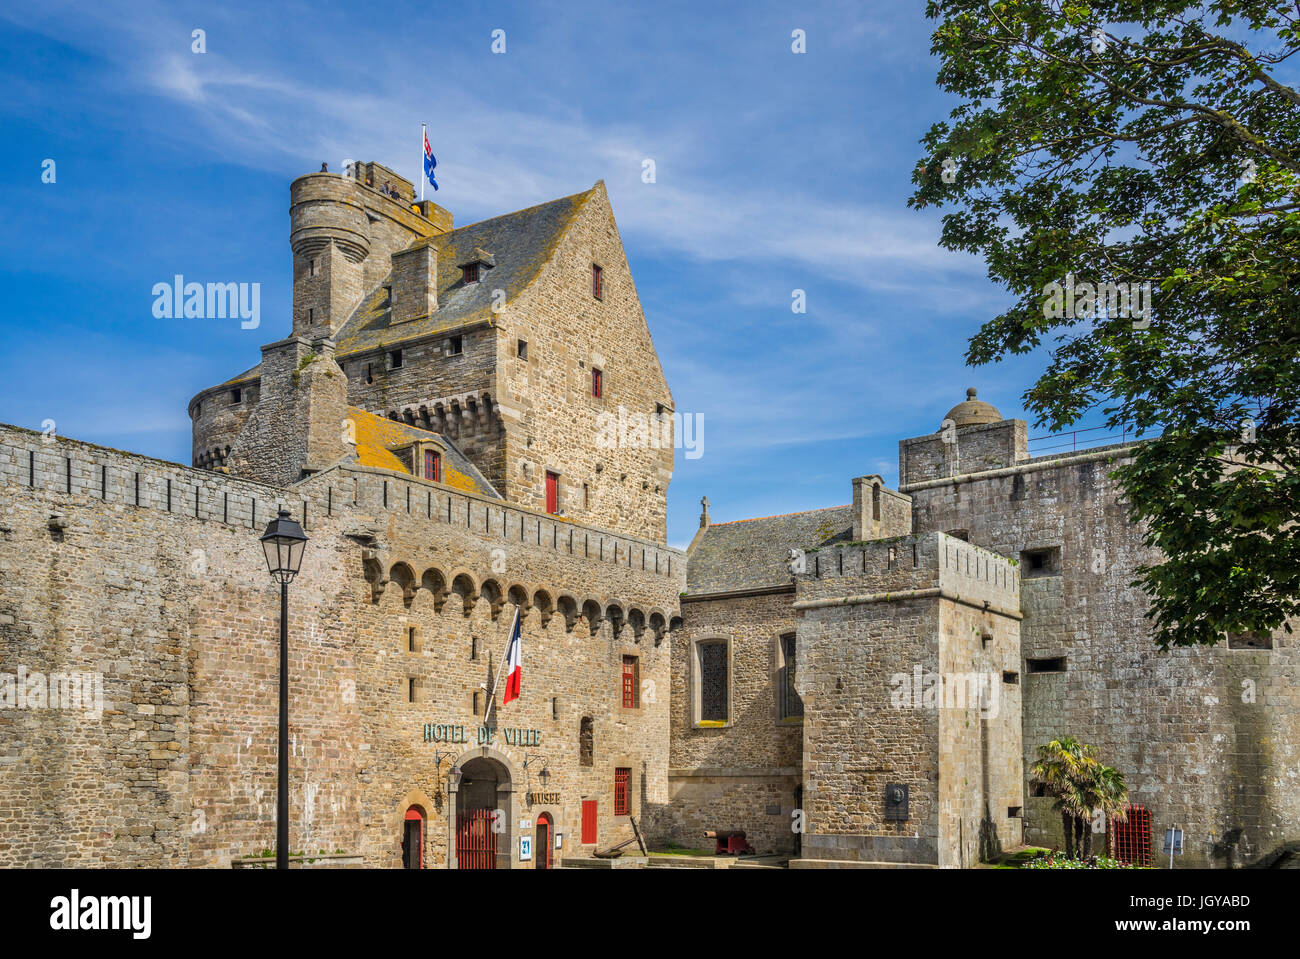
column 484, row 735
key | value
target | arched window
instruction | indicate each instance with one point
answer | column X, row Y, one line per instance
column 586, row 742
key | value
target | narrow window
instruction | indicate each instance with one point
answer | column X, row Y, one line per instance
column 790, row 705
column 555, row 707
column 586, row 742
column 473, row 647
column 370, row 376
column 552, row 492
column 1055, row 664
column 585, row 494
column 410, row 689
column 455, row 345
column 469, row 273
column 521, row 349
column 410, row 639
column 395, row 359
column 630, row 684
column 311, row 314
column 597, row 282
column 875, row 501
column 313, row 267
column 597, row 383
column 1040, row 562
column 433, row 466
column 236, row 395
column 477, row 700
column 713, row 681
column 622, row 779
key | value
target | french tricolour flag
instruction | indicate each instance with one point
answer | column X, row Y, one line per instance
column 514, row 661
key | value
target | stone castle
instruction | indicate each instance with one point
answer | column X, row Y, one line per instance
column 862, row 685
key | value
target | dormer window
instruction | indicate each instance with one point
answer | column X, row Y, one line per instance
column 433, row 466
column 469, row 272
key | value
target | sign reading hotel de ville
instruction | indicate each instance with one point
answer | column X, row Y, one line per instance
column 484, row 735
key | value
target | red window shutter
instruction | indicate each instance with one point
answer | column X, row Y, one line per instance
column 589, row 822
column 621, row 779
column 596, row 390
column 629, row 682
column 552, row 493
column 595, row 281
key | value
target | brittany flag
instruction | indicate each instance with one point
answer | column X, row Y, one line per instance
column 429, row 161
column 514, row 661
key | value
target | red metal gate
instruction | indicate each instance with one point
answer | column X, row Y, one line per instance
column 1131, row 839
column 476, row 843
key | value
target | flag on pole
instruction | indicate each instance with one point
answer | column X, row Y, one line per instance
column 429, row 161
column 514, row 661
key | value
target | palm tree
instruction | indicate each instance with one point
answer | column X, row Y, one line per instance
column 1059, row 770
column 1079, row 785
column 1108, row 794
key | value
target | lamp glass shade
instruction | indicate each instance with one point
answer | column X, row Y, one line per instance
column 283, row 544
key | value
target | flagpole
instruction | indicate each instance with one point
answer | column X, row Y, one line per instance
column 492, row 699
column 424, row 133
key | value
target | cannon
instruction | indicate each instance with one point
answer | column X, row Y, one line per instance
column 729, row 842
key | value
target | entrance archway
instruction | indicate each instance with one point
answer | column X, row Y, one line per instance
column 543, row 842
column 482, row 810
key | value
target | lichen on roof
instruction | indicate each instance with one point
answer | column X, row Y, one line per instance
column 521, row 243
column 754, row 553
column 377, row 437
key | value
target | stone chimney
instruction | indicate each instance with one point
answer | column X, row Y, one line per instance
column 298, row 426
column 415, row 282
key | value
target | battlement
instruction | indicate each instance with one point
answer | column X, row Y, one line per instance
column 74, row 468
column 924, row 566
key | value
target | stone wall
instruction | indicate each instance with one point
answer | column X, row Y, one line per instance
column 1204, row 737
column 552, row 420
column 743, row 775
column 178, row 614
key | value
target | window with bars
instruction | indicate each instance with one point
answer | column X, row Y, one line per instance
column 631, row 670
column 622, row 780
column 713, row 681
column 433, row 466
column 790, row 705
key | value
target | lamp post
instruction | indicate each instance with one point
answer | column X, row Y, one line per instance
column 283, row 544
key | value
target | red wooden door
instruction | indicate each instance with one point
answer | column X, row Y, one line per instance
column 476, row 843
column 552, row 493
column 589, row 822
column 542, row 849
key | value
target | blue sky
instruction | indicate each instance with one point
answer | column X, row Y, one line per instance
column 774, row 172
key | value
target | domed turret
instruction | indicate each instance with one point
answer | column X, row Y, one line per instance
column 973, row 412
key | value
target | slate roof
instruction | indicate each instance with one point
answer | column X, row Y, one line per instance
column 520, row 243
column 377, row 436
column 753, row 553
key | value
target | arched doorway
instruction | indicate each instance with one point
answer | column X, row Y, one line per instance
column 543, row 842
column 413, row 839
column 482, row 811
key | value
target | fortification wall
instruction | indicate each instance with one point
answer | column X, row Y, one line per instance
column 170, row 601
column 1205, row 737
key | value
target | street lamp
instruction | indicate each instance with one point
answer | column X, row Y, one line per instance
column 283, row 543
